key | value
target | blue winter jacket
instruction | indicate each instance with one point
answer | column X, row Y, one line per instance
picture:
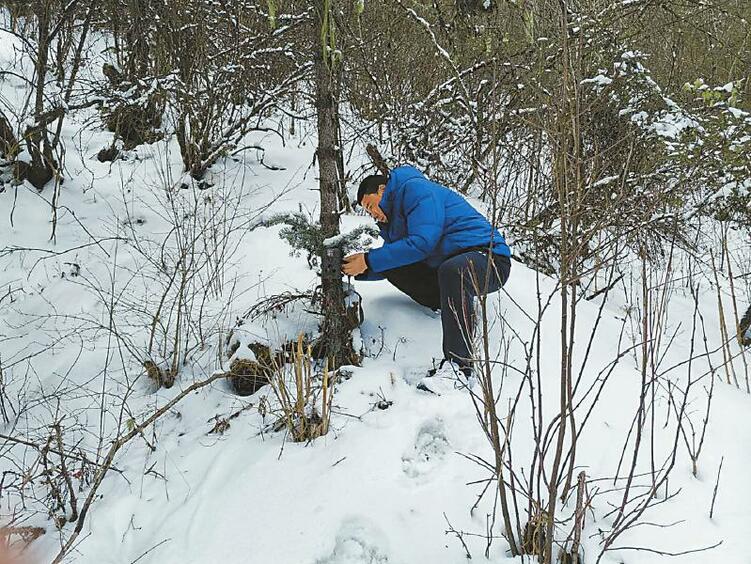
column 427, row 222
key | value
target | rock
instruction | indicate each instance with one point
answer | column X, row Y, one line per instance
column 37, row 176
column 108, row 154
column 247, row 376
column 162, row 377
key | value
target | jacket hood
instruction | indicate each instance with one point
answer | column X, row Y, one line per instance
column 398, row 177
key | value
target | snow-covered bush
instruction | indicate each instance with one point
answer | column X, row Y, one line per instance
column 717, row 152
column 209, row 84
column 304, row 233
column 49, row 42
column 133, row 109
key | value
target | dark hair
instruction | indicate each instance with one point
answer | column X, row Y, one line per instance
column 369, row 185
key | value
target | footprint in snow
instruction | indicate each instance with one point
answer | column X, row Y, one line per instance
column 357, row 542
column 429, row 450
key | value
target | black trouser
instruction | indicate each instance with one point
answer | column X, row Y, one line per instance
column 452, row 288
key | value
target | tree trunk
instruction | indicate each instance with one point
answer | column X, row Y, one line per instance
column 40, row 171
column 336, row 340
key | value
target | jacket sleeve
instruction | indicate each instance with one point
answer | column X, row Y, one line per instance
column 383, row 228
column 425, row 217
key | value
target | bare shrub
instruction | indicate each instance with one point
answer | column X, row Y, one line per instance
column 304, row 395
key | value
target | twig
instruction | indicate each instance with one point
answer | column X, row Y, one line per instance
column 58, row 452
column 377, row 159
column 157, row 545
column 716, row 485
column 66, row 475
column 580, row 515
column 459, row 535
column 663, row 552
column 604, row 290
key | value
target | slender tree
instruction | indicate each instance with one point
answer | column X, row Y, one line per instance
column 336, row 340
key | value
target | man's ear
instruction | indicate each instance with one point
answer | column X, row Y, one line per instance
column 381, row 189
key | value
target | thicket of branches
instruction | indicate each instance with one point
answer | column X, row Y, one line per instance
column 663, row 94
column 594, row 131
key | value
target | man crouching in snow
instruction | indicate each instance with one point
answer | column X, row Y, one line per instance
column 435, row 251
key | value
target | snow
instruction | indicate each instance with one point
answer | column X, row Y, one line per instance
column 726, row 87
column 242, row 338
column 738, row 113
column 670, row 126
column 605, row 181
column 599, row 80
column 10, row 46
column 384, row 484
column 363, row 239
column 377, row 488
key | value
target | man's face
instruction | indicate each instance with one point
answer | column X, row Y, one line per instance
column 372, row 204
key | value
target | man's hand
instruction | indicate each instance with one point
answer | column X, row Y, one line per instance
column 354, row 264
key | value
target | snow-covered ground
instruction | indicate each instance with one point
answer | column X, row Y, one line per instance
column 384, row 484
